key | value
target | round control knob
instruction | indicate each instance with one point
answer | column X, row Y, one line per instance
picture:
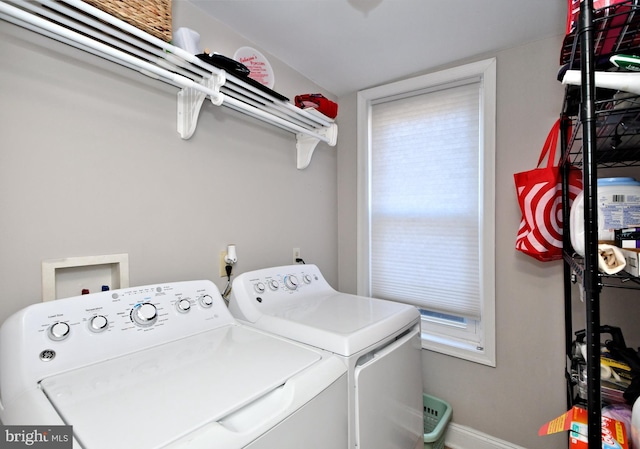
column 307, row 279
column 144, row 314
column 98, row 323
column 183, row 306
column 59, row 331
column 291, row 282
column 273, row 285
column 259, row 287
column 206, row 301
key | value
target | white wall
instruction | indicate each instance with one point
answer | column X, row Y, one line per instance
column 91, row 164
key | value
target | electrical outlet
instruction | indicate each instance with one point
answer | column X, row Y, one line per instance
column 223, row 264
column 296, row 254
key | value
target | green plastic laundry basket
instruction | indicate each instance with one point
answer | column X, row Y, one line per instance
column 437, row 414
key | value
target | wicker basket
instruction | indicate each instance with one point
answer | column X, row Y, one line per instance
column 151, row 16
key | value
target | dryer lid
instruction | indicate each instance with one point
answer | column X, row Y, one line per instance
column 338, row 322
column 151, row 398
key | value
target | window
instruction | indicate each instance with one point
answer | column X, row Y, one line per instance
column 426, row 163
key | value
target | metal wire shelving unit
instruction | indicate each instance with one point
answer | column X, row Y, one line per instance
column 605, row 133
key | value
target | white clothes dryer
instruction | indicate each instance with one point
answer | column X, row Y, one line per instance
column 166, row 366
column 379, row 342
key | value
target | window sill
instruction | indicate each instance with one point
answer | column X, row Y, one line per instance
column 456, row 348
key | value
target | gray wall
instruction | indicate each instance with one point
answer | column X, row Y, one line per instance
column 91, row 164
column 526, row 388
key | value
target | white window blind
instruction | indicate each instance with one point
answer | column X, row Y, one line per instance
column 425, row 197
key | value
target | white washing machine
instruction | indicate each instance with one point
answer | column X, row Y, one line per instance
column 379, row 342
column 166, row 366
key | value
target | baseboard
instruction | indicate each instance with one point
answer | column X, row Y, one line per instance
column 462, row 437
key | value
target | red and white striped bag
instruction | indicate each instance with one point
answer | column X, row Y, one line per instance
column 540, row 198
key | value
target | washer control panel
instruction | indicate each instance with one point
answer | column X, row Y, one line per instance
column 179, row 305
column 67, row 333
column 126, row 310
column 262, row 291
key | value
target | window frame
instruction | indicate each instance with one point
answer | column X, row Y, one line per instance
column 441, row 341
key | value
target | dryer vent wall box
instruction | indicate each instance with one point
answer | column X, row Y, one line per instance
column 379, row 342
column 166, row 365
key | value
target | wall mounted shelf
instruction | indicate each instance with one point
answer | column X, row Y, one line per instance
column 80, row 25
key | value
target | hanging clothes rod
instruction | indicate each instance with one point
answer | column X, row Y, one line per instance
column 101, row 49
column 89, row 29
column 183, row 54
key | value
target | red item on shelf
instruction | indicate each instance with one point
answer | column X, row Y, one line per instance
column 319, row 103
column 614, row 434
column 573, row 11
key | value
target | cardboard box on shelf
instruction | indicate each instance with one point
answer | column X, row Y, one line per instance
column 614, row 435
column 627, row 238
column 632, row 257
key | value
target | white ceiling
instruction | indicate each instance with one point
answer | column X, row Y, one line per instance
column 348, row 45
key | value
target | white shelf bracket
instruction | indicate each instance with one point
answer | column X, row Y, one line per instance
column 306, row 145
column 190, row 103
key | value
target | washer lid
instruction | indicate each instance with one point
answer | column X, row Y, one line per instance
column 338, row 322
column 151, row 398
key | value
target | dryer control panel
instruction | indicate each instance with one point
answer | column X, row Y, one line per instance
column 262, row 292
